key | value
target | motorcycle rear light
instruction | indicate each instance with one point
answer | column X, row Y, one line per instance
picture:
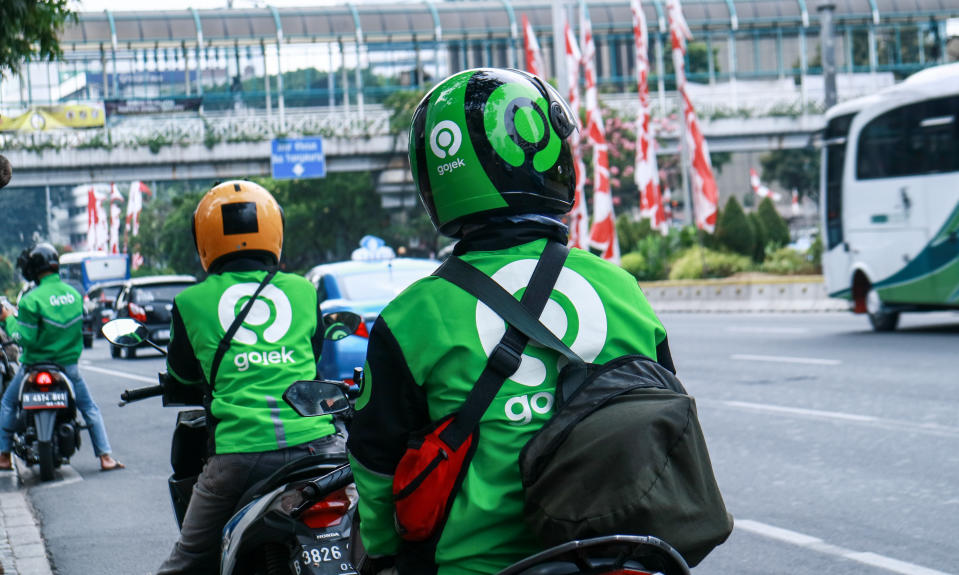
column 362, row 331
column 43, row 380
column 328, row 512
column 137, row 312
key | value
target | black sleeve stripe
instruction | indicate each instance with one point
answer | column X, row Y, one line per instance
column 181, row 356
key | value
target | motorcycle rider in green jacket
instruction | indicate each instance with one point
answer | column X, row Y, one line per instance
column 493, row 168
column 48, row 328
column 238, row 229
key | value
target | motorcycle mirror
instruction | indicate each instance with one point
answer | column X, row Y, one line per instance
column 341, row 324
column 310, row 398
column 125, row 332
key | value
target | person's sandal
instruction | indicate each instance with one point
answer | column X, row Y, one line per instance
column 116, row 465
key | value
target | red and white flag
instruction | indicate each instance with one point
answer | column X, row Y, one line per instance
column 97, row 234
column 579, row 215
column 795, row 202
column 703, row 182
column 647, row 173
column 134, row 207
column 602, row 236
column 534, row 57
column 759, row 189
column 116, row 213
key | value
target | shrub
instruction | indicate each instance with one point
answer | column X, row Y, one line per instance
column 689, row 264
column 733, row 230
column 759, row 235
column 787, row 261
column 777, row 232
column 634, row 263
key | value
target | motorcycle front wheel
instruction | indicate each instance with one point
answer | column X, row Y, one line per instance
column 45, row 455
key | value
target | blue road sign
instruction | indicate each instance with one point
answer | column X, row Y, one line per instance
column 298, row 158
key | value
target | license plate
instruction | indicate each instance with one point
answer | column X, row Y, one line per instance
column 162, row 334
column 327, row 558
column 44, row 399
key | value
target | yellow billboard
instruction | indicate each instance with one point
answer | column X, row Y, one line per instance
column 40, row 118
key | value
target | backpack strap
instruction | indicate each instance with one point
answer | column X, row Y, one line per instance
column 237, row 322
column 505, row 305
column 507, row 355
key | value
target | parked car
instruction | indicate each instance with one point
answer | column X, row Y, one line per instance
column 363, row 287
column 149, row 300
column 98, row 304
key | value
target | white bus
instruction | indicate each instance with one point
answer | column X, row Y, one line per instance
column 890, row 198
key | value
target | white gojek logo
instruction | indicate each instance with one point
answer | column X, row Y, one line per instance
column 259, row 313
column 589, row 341
column 445, row 139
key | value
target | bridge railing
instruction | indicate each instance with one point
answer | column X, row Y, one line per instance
column 208, row 129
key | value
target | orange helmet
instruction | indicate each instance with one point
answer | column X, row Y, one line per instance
column 237, row 216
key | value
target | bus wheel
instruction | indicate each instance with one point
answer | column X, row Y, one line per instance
column 880, row 318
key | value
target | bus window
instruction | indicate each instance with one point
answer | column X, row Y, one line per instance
column 834, row 140
column 913, row 140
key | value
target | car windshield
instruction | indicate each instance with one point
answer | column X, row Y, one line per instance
column 382, row 284
column 162, row 292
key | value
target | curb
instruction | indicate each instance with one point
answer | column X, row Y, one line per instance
column 772, row 294
column 22, row 549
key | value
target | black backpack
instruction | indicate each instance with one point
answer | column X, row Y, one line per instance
column 624, row 452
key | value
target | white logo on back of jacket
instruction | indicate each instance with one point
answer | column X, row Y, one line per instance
column 589, row 341
column 281, row 313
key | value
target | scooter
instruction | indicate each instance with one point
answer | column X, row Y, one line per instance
column 297, row 521
column 47, row 432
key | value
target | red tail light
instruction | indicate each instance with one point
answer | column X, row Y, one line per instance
column 43, row 380
column 328, row 512
column 137, row 312
column 362, row 331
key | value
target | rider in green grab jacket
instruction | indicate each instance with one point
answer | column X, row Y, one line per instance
column 238, row 228
column 493, row 168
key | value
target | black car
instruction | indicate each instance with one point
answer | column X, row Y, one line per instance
column 98, row 303
column 149, row 300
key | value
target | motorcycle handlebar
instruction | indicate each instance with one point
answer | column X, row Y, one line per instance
column 131, row 395
column 323, row 486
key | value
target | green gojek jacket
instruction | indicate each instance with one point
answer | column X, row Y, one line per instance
column 49, row 323
column 426, row 351
column 278, row 344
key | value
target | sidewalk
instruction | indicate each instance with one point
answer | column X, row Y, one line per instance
column 22, row 550
column 750, row 293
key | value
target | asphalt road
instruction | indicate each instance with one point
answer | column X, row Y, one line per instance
column 837, row 449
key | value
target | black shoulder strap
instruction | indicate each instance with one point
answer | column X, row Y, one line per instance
column 505, row 305
column 506, row 356
column 237, row 322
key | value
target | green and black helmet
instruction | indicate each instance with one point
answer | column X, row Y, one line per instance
column 490, row 142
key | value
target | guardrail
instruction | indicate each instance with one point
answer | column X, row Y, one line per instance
column 758, row 294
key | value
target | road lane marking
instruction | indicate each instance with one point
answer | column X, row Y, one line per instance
column 785, row 359
column 817, row 544
column 801, row 411
column 115, row 373
column 927, row 428
column 759, row 329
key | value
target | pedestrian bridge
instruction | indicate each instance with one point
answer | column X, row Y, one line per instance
column 238, row 145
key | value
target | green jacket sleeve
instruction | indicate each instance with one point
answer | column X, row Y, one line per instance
column 25, row 326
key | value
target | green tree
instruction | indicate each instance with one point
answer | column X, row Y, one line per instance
column 793, row 169
column 733, row 229
column 775, row 227
column 166, row 235
column 759, row 235
column 29, row 30
column 8, row 278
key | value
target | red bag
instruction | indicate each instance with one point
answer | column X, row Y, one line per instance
column 426, row 481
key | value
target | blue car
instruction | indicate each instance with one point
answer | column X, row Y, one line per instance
column 362, row 287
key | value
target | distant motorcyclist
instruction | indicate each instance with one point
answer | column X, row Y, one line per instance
column 492, row 166
column 48, row 328
column 238, row 230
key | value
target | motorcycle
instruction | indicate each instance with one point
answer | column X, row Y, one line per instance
column 47, row 432
column 297, row 521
